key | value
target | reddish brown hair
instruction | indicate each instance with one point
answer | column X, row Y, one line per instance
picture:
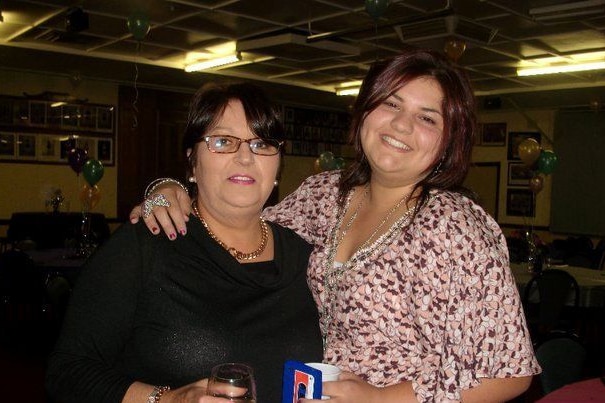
column 385, row 78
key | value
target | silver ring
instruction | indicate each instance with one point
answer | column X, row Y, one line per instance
column 154, row 201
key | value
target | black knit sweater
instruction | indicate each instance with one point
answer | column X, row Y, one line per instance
column 164, row 312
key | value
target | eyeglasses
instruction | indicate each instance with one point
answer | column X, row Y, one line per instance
column 230, row 144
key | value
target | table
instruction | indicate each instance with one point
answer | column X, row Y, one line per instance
column 591, row 390
column 591, row 282
column 52, row 230
column 58, row 261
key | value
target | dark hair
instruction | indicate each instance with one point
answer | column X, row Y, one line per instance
column 208, row 105
column 383, row 80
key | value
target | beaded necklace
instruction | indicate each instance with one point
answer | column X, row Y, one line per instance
column 234, row 252
column 334, row 274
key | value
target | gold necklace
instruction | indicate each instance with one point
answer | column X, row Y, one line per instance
column 234, row 252
column 333, row 274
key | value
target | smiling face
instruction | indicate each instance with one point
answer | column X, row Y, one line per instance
column 401, row 137
column 235, row 183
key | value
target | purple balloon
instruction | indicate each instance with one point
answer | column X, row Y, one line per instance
column 76, row 157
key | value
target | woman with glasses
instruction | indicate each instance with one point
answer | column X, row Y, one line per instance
column 148, row 314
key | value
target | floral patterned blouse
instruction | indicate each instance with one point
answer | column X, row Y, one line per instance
column 436, row 305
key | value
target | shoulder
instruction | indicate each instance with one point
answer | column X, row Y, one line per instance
column 458, row 217
column 324, row 183
column 288, row 237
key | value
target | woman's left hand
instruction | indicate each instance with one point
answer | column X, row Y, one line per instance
column 349, row 389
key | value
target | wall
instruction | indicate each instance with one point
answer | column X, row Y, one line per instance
column 23, row 185
column 529, row 121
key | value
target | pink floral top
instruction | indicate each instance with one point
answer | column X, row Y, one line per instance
column 437, row 306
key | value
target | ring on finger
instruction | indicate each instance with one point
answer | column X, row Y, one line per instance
column 158, row 200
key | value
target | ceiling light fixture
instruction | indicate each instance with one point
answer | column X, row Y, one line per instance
column 348, row 88
column 347, row 91
column 567, row 68
column 209, row 64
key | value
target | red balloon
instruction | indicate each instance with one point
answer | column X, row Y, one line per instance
column 76, row 157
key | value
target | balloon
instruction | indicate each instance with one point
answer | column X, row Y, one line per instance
column 376, row 8
column 90, row 196
column 92, row 171
column 529, row 151
column 76, row 157
column 138, row 26
column 454, row 48
column 316, row 166
column 326, row 160
column 536, row 183
column 339, row 163
column 547, row 162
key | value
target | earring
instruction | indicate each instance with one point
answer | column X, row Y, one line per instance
column 192, row 179
column 275, row 183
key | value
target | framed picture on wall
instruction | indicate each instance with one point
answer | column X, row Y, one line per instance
column 26, row 146
column 515, row 138
column 493, row 134
column 105, row 151
column 519, row 174
column 520, row 203
column 49, row 148
column 7, row 145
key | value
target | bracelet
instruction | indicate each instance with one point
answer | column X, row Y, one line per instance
column 156, row 393
column 159, row 182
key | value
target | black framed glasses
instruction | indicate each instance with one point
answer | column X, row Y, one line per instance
column 224, row 144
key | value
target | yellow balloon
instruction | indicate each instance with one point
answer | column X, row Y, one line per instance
column 90, row 196
column 529, row 151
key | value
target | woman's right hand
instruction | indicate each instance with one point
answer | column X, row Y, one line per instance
column 171, row 219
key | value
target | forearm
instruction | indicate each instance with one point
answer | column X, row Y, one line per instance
column 490, row 390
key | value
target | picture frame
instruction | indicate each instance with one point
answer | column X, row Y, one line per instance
column 493, row 134
column 516, row 138
column 49, row 147
column 7, row 145
column 520, row 203
column 105, row 151
column 26, row 146
column 519, row 174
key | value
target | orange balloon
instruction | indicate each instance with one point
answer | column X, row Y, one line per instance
column 529, row 151
column 536, row 183
column 454, row 48
column 90, row 196
column 316, row 166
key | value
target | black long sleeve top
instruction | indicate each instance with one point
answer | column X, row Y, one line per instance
column 165, row 312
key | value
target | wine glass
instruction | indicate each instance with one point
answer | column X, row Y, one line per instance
column 232, row 381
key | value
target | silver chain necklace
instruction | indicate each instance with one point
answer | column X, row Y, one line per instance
column 333, row 274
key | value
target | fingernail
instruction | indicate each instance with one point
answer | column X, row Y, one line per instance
column 183, row 232
column 154, row 230
column 172, row 236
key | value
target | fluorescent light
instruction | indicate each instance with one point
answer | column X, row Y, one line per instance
column 568, row 68
column 208, row 64
column 348, row 88
column 57, row 104
column 347, row 91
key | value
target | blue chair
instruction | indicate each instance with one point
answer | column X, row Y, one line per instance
column 562, row 357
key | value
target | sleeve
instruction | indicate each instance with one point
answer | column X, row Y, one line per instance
column 305, row 210
column 484, row 329
column 97, row 325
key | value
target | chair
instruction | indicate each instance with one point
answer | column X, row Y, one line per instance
column 21, row 287
column 545, row 299
column 562, row 357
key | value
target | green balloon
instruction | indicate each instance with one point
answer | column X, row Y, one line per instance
column 376, row 8
column 138, row 26
column 92, row 171
column 547, row 162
